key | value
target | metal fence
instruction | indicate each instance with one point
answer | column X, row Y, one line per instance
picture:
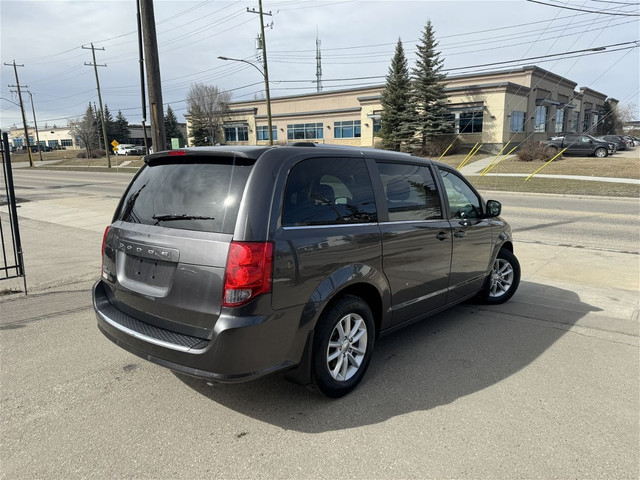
column 12, row 265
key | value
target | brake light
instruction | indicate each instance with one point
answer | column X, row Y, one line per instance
column 104, row 241
column 177, row 153
column 248, row 272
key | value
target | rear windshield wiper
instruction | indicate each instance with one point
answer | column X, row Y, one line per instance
column 172, row 216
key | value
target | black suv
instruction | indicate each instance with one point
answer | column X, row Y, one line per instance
column 230, row 263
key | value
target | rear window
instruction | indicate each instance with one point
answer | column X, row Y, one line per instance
column 202, row 196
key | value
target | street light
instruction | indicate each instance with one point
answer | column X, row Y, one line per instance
column 265, row 74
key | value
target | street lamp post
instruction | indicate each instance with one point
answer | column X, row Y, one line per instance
column 266, row 90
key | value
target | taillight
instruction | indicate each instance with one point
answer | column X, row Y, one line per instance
column 248, row 272
column 104, row 241
column 177, row 153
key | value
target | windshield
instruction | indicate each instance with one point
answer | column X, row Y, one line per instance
column 195, row 196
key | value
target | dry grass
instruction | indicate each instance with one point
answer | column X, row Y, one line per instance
column 555, row 186
column 614, row 166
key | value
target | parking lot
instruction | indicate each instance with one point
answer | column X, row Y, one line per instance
column 545, row 386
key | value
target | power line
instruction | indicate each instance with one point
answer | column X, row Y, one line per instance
column 599, row 12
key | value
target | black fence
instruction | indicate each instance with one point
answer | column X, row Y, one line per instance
column 12, row 265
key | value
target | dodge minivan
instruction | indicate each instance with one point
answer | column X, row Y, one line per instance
column 229, row 263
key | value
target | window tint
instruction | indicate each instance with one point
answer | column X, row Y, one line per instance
column 208, row 193
column 322, row 191
column 411, row 192
column 463, row 201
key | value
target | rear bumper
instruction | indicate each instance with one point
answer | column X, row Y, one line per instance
column 240, row 348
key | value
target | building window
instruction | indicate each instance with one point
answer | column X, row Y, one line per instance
column 573, row 122
column 517, row 121
column 263, row 132
column 586, row 122
column 32, row 142
column 17, row 142
column 304, row 131
column 236, row 133
column 559, row 120
column 348, row 129
column 377, row 126
column 52, row 143
column 465, row 119
column 470, row 122
column 66, row 142
column 540, row 119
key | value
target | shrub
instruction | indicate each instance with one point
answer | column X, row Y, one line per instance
column 81, row 154
column 438, row 144
column 534, row 151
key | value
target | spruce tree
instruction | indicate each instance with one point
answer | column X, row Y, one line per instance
column 121, row 128
column 171, row 127
column 396, row 103
column 109, row 124
column 428, row 93
column 199, row 133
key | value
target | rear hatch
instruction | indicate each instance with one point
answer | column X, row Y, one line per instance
column 166, row 251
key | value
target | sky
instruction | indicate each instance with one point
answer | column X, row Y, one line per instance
column 357, row 42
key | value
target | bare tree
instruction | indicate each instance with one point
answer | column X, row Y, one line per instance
column 206, row 105
column 86, row 130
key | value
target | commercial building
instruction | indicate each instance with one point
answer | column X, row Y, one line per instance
column 63, row 138
column 492, row 108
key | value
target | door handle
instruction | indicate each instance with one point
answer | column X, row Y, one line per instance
column 442, row 236
column 459, row 234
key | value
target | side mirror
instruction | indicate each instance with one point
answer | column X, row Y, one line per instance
column 493, row 208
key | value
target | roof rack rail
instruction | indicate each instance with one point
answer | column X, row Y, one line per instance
column 302, row 144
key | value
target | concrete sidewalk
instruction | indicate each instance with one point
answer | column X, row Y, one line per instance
column 477, row 167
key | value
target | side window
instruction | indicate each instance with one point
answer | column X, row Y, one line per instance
column 324, row 191
column 463, row 201
column 411, row 192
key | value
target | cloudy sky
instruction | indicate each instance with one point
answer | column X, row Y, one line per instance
column 357, row 37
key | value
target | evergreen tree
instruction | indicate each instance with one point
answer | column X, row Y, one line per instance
column 396, row 103
column 611, row 123
column 109, row 123
column 171, row 127
column 121, row 129
column 199, row 132
column 428, row 93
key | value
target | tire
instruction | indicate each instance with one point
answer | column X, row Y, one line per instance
column 503, row 280
column 600, row 152
column 340, row 360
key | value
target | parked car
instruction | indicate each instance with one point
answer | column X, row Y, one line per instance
column 139, row 150
column 581, row 144
column 123, row 148
column 619, row 140
column 631, row 142
column 230, row 263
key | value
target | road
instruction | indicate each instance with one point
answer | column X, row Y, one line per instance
column 545, row 386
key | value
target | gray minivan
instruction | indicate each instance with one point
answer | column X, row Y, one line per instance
column 229, row 263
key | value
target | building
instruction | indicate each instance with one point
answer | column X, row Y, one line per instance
column 492, row 108
column 62, row 138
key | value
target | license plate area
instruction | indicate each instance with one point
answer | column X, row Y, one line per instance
column 154, row 273
column 148, row 276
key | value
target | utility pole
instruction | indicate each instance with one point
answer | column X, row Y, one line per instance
column 156, row 111
column 104, row 125
column 264, row 65
column 24, row 118
column 35, row 124
column 141, row 59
